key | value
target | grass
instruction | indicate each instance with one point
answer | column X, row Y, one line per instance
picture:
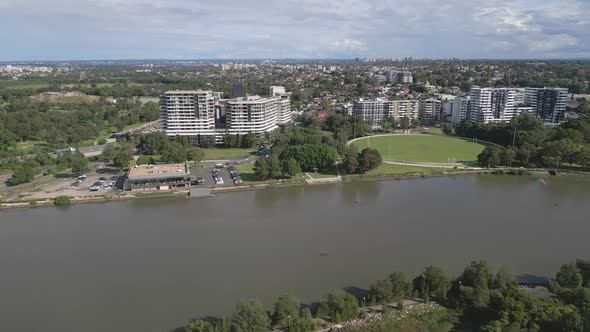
column 250, row 178
column 227, row 154
column 22, row 84
column 414, row 148
column 325, row 174
column 391, row 169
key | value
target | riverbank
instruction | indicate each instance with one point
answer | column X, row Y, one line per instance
column 372, row 176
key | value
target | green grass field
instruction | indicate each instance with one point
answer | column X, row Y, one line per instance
column 427, row 148
column 227, row 154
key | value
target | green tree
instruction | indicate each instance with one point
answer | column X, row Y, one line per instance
column 489, row 157
column 381, row 291
column 145, row 160
column 568, row 276
column 122, row 157
column 261, row 168
column 339, row 306
column 350, row 161
column 507, row 156
column 250, row 317
column 153, row 143
column 195, row 154
column 399, row 285
column 62, row 200
column 275, row 169
column 174, row 153
column 77, row 162
column 286, row 310
column 248, row 141
column 447, row 129
column 405, row 123
column 21, row 174
column 291, row 167
column 369, row 159
column 432, row 283
column 582, row 158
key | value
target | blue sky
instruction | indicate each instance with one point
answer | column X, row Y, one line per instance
column 193, row 29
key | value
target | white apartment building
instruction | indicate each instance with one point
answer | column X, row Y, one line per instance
column 547, row 104
column 276, row 90
column 429, row 111
column 459, row 109
column 493, row 105
column 188, row 112
column 372, row 111
column 251, row 114
column 194, row 113
column 409, row 108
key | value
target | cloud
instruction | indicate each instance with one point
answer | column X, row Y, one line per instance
column 92, row 29
column 349, row 45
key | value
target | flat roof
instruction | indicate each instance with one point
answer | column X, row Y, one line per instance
column 171, row 92
column 158, row 171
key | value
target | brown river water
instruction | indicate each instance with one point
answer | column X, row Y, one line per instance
column 152, row 264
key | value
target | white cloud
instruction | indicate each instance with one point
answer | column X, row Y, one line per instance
column 349, row 45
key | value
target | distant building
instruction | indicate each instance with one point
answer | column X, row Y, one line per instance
column 372, row 111
column 158, row 177
column 409, row 108
column 459, row 109
column 276, row 91
column 547, row 104
column 429, row 111
column 399, row 77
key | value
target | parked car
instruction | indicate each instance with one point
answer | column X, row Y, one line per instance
column 200, row 180
column 94, row 188
column 82, row 177
column 219, row 181
column 219, row 165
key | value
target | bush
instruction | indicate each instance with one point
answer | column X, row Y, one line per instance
column 62, row 200
column 22, row 174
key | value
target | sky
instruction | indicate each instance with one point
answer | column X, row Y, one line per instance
column 307, row 29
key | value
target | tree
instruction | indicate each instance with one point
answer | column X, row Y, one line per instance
column 381, row 291
column 62, row 200
column 261, row 168
column 405, row 123
column 369, row 159
column 291, row 167
column 195, row 154
column 174, row 153
column 582, row 158
column 339, row 306
column 350, row 160
column 304, row 323
column 248, row 141
column 447, row 129
column 432, row 283
column 21, row 174
column 399, row 285
column 568, row 276
column 198, row 325
column 286, row 309
column 275, row 169
column 145, row 160
column 250, row 317
column 489, row 157
column 154, row 142
column 311, row 156
column 77, row 162
column 507, row 157
column 122, row 157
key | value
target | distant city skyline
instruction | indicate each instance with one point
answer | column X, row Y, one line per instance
column 34, row 30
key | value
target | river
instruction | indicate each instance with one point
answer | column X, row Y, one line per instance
column 151, row 265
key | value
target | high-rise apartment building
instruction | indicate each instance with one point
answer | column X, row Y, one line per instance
column 194, row 113
column 188, row 112
column 251, row 114
column 409, row 108
column 399, row 77
column 493, row 105
column 372, row 111
column 547, row 104
column 429, row 111
column 459, row 109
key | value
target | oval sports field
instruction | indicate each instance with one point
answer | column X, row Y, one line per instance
column 422, row 148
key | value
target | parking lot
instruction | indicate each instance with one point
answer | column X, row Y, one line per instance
column 208, row 172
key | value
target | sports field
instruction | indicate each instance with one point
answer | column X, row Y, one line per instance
column 422, row 148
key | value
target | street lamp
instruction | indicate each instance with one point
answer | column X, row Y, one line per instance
column 363, row 301
column 289, row 322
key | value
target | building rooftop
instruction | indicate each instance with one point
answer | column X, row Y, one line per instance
column 158, row 171
column 178, row 92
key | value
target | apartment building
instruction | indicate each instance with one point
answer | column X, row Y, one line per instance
column 195, row 113
column 188, row 112
column 409, row 108
column 372, row 111
column 459, row 109
column 547, row 104
column 429, row 111
column 493, row 105
column 251, row 114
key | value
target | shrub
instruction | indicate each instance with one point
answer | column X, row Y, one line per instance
column 62, row 200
